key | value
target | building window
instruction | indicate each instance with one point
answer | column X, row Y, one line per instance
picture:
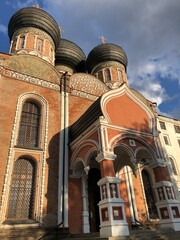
column 107, row 74
column 29, row 125
column 120, row 75
column 173, row 166
column 177, row 128
column 22, row 190
column 22, row 41
column 179, row 142
column 166, row 140
column 100, row 75
column 39, row 44
column 14, row 43
column 162, row 125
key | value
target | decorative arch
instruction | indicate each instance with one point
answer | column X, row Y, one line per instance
column 78, row 167
column 83, row 150
column 34, row 53
column 123, row 92
column 22, row 52
column 125, row 157
column 145, row 155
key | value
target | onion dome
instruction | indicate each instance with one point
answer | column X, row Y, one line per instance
column 70, row 55
column 37, row 18
column 106, row 52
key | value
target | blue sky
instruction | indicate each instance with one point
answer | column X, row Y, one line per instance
column 148, row 31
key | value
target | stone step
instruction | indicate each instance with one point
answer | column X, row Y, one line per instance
column 63, row 234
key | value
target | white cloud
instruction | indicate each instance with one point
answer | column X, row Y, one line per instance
column 17, row 4
column 3, row 29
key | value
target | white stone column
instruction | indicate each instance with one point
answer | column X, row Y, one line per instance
column 168, row 207
column 111, row 208
column 85, row 212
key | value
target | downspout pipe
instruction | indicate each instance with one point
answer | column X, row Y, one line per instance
column 62, row 147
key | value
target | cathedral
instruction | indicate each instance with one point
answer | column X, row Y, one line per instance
column 80, row 148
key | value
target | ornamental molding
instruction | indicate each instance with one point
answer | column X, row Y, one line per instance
column 26, row 78
column 87, row 86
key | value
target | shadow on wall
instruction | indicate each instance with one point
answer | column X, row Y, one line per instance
column 51, row 195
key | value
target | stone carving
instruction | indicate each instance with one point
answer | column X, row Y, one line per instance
column 26, row 78
column 87, row 86
column 113, row 190
column 104, row 191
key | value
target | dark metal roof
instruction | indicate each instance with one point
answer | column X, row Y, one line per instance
column 70, row 54
column 106, row 52
column 34, row 17
column 90, row 116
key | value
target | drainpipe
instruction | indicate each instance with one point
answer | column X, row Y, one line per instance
column 66, row 155
column 63, row 155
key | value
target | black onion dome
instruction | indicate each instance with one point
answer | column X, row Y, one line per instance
column 71, row 55
column 106, row 52
column 34, row 17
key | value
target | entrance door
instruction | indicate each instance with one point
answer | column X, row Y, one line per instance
column 149, row 195
column 94, row 198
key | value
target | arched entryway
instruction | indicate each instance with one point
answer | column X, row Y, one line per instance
column 150, row 197
column 94, row 176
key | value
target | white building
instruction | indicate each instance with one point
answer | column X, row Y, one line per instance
column 170, row 139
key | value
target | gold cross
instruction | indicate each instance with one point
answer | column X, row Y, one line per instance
column 36, row 5
column 61, row 30
column 103, row 39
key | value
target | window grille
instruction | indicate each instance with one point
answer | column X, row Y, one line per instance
column 29, row 125
column 21, row 199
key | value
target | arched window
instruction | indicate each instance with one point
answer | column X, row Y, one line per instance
column 39, row 44
column 13, row 48
column 29, row 125
column 107, row 74
column 22, row 190
column 150, row 199
column 22, row 42
column 173, row 166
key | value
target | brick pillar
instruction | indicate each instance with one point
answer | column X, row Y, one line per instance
column 167, row 205
column 111, row 206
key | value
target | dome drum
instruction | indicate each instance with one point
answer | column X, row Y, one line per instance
column 37, row 18
column 104, row 53
column 70, row 55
